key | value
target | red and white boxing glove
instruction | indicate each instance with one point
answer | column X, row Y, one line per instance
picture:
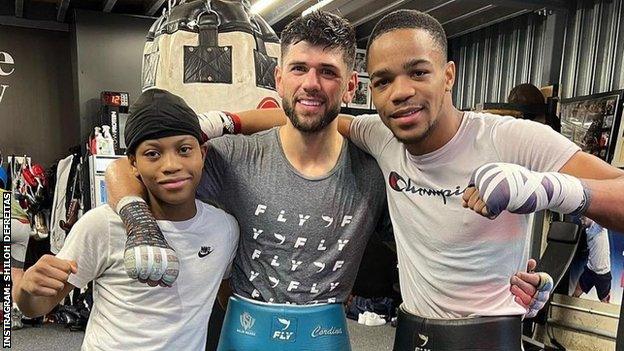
column 217, row 123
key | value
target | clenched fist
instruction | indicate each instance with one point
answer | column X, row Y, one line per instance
column 496, row 187
column 48, row 276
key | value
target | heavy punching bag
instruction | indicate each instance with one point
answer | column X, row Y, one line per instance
column 215, row 54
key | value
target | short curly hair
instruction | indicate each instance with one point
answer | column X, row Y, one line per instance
column 321, row 28
column 411, row 19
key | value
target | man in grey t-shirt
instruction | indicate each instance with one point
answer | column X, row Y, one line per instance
column 302, row 236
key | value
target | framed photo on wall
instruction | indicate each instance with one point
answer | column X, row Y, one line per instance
column 593, row 123
column 362, row 97
column 360, row 62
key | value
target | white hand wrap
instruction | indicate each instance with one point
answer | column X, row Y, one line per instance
column 506, row 186
column 147, row 254
column 541, row 295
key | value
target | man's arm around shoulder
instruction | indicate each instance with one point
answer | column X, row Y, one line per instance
column 253, row 121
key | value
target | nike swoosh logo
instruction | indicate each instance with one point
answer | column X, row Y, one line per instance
column 203, row 254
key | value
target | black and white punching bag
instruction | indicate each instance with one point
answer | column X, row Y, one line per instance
column 215, row 54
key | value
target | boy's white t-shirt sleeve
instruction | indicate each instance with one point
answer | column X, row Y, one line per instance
column 88, row 244
column 370, row 134
column 234, row 237
column 533, row 145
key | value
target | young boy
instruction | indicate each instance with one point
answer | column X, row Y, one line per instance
column 163, row 138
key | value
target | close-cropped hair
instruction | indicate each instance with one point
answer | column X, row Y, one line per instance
column 321, row 28
column 411, row 19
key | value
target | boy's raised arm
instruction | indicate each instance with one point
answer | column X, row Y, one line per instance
column 121, row 182
column 144, row 235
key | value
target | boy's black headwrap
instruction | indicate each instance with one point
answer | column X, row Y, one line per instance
column 158, row 114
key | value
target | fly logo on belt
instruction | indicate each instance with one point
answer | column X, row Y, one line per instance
column 422, row 342
column 424, row 339
column 284, row 329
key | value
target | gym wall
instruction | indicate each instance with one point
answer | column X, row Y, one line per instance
column 581, row 49
column 593, row 57
column 108, row 51
column 37, row 106
column 52, row 94
column 491, row 61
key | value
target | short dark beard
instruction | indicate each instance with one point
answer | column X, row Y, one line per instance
column 430, row 128
column 329, row 117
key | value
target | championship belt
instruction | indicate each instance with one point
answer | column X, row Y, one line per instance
column 215, row 54
column 259, row 326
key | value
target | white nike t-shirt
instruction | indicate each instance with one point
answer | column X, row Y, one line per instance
column 129, row 315
column 453, row 262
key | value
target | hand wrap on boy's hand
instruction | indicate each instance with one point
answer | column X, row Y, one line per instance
column 148, row 256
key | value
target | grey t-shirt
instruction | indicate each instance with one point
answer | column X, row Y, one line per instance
column 301, row 239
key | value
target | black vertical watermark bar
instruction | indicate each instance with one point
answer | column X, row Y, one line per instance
column 7, row 302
